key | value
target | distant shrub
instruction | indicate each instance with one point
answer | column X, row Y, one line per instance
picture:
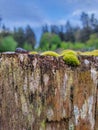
column 8, row 44
column 49, row 41
column 27, row 46
column 74, row 46
column 78, row 46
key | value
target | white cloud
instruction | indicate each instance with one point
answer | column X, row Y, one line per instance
column 61, row 22
column 93, row 12
column 79, row 11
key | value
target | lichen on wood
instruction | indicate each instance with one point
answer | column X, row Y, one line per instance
column 44, row 93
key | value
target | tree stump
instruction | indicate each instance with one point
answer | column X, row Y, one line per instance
column 43, row 93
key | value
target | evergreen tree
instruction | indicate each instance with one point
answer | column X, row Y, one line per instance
column 19, row 36
column 69, row 34
column 30, row 36
column 45, row 29
column 61, row 33
column 54, row 29
column 86, row 31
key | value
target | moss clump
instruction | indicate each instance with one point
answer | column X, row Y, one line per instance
column 50, row 53
column 90, row 53
column 95, row 53
column 69, row 56
column 79, row 52
column 33, row 52
column 71, row 59
column 68, row 52
column 86, row 53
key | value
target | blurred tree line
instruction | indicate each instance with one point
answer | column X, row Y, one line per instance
column 19, row 37
column 84, row 37
column 71, row 37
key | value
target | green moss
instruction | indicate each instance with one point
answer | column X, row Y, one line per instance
column 86, row 53
column 71, row 59
column 79, row 52
column 50, row 53
column 94, row 53
column 90, row 53
column 43, row 124
column 68, row 52
column 69, row 56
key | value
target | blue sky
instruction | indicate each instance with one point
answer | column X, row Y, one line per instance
column 36, row 13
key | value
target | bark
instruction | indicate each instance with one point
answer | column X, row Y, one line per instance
column 43, row 93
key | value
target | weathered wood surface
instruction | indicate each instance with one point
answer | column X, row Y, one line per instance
column 43, row 93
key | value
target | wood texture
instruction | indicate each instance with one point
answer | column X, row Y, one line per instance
column 43, row 93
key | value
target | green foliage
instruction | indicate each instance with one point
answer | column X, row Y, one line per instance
column 78, row 46
column 64, row 45
column 92, row 43
column 27, row 46
column 54, row 47
column 56, row 37
column 74, row 46
column 49, row 41
column 8, row 44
